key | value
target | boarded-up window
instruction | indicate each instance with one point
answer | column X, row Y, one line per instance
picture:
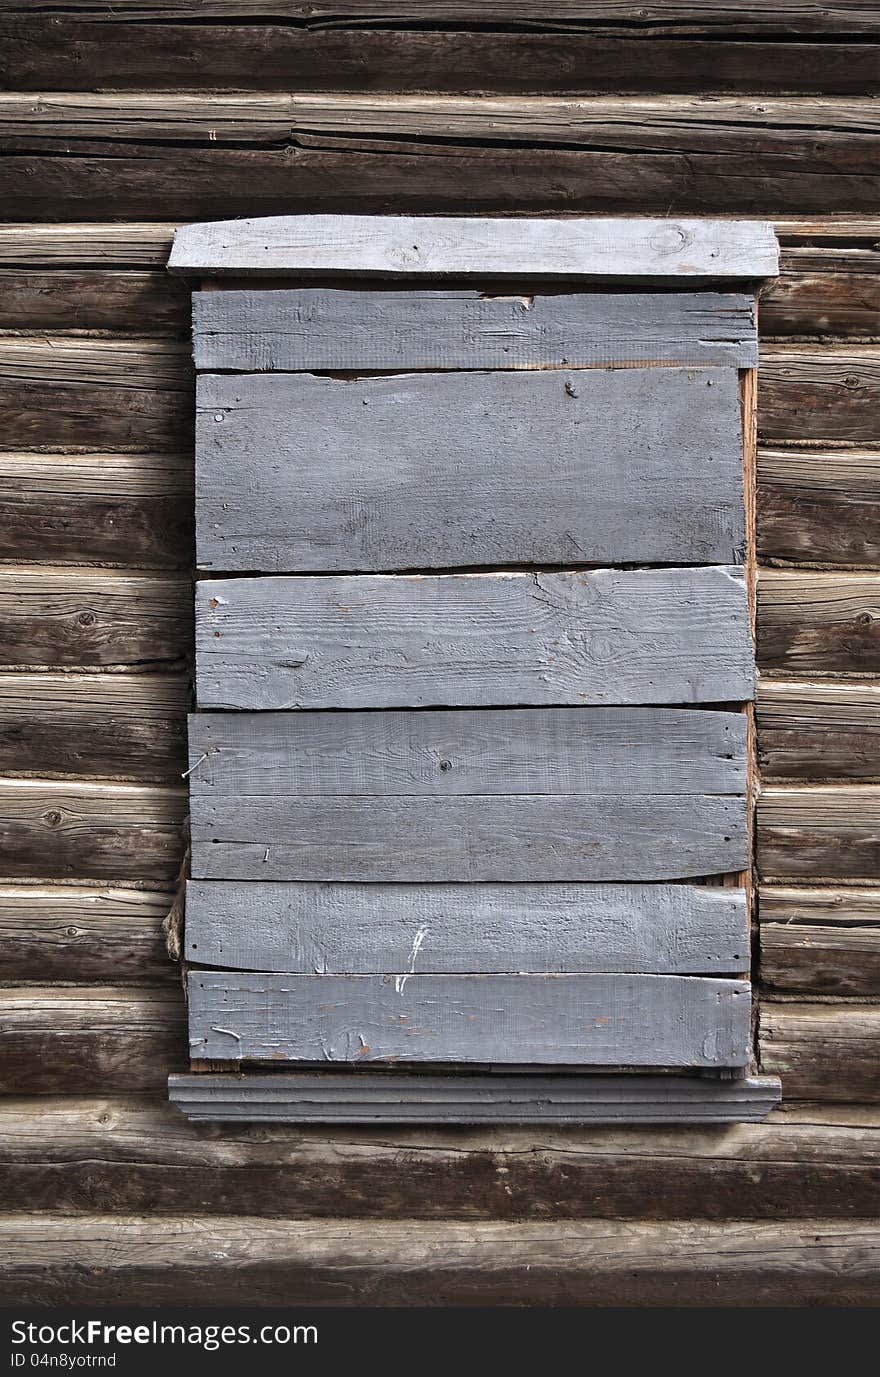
column 471, row 767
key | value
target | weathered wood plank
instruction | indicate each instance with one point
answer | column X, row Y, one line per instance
column 125, row 1153
column 440, row 470
column 126, row 725
column 822, row 1051
column 87, row 830
column 445, row 753
column 821, row 291
column 70, row 932
column 391, row 929
column 589, row 1020
column 333, row 327
column 57, row 1260
column 414, row 1098
column 817, row 833
column 86, row 245
column 818, row 623
column 157, row 364
column 821, row 941
column 90, row 299
column 819, row 506
column 81, row 1039
column 813, row 731
column 108, row 508
column 51, row 616
column 818, row 392
column 660, row 636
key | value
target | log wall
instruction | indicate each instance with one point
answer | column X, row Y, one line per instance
column 231, row 108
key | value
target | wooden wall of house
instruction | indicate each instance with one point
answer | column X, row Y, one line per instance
column 118, row 123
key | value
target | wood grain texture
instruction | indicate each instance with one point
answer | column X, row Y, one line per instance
column 102, row 508
column 821, row 941
column 662, row 636
column 584, row 1020
column 417, row 1098
column 821, row 1051
column 438, row 470
column 86, row 245
column 238, row 1261
column 819, row 392
column 91, row 299
column 824, row 291
column 338, row 328
column 82, row 829
column 818, row 623
column 125, row 1153
column 820, row 832
column 52, row 616
column 392, row 929
column 818, row 730
column 125, row 725
column 73, row 932
column 819, row 506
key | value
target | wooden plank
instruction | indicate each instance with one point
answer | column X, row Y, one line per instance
column 818, row 623
column 101, row 508
column 86, row 245
column 819, row 506
column 391, row 929
column 511, row 751
column 123, row 1153
column 822, row 1051
column 817, row 833
column 74, row 932
column 89, row 1039
column 333, row 327
column 400, row 245
column 400, row 472
column 90, row 830
column 160, row 364
column 414, row 1098
column 51, row 616
column 819, row 392
column 585, row 1020
column 129, row 725
column 818, row 730
column 821, row 941
column 90, row 299
column 140, row 1260
column 824, row 291
column 660, row 636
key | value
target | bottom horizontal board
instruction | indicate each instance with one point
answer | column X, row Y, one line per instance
column 370, row 1097
column 567, row 1020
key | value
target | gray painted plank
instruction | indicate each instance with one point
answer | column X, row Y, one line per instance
column 394, row 246
column 438, row 470
column 463, row 751
column 586, row 1020
column 481, row 837
column 335, row 327
column 604, row 636
column 388, row 1097
column 444, row 929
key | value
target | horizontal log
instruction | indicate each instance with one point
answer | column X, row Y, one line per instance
column 102, row 508
column 91, row 617
column 821, row 941
column 70, row 932
column 159, row 364
column 657, row 636
column 145, row 1261
column 818, row 623
column 818, row 731
column 834, row 229
column 821, row 1051
column 86, row 245
column 822, row 291
column 91, row 299
column 78, row 829
column 344, row 929
column 819, row 506
column 83, row 1039
column 818, row 392
column 567, row 1020
column 822, row 832
column 131, row 726
column 387, row 490
column 129, row 1154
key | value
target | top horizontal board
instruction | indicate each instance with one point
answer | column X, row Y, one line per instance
column 455, row 246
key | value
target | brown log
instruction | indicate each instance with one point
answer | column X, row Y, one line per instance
column 819, row 832
column 818, row 731
column 821, row 941
column 822, row 1051
column 70, row 932
column 819, row 623
column 819, row 291
column 819, row 506
column 815, row 392
column 92, row 299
